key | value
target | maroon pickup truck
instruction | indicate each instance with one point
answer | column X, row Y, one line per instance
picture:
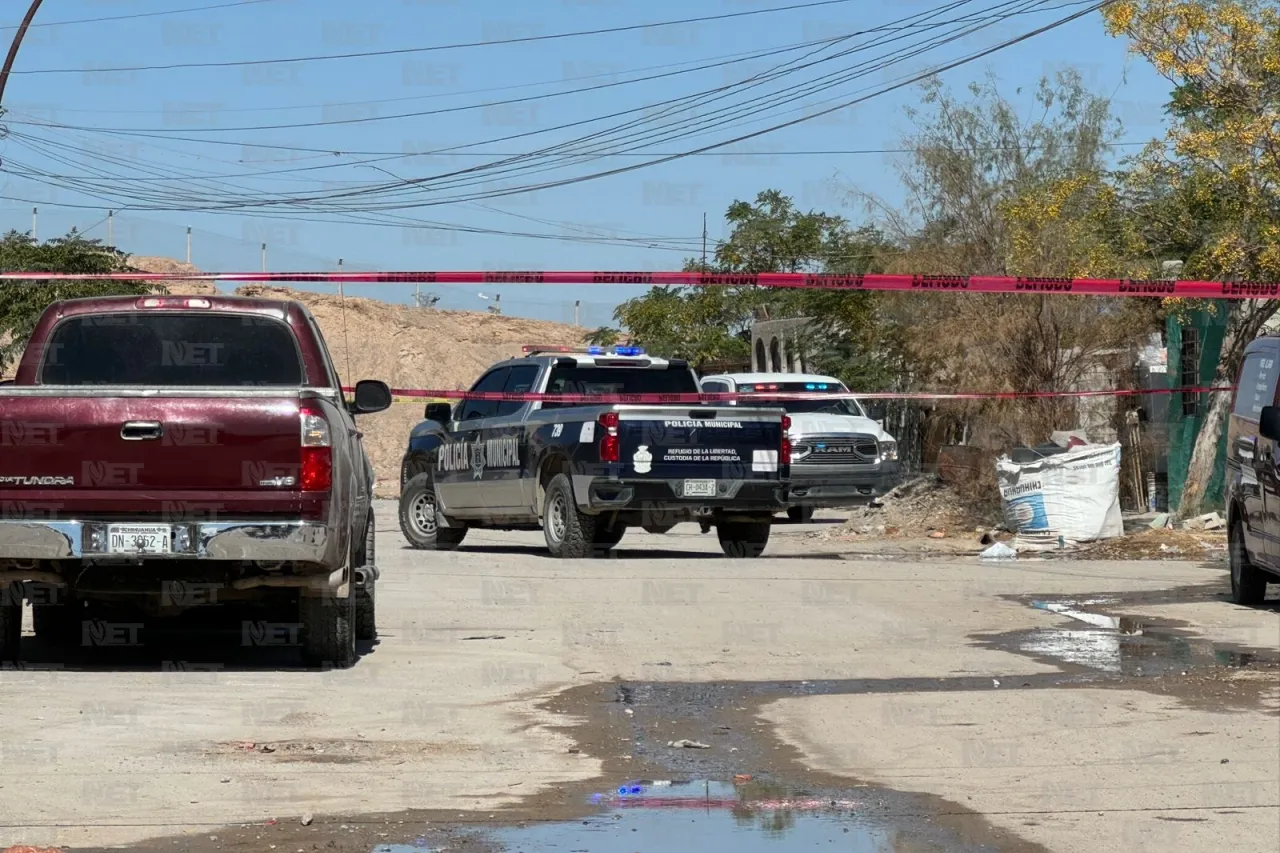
column 160, row 453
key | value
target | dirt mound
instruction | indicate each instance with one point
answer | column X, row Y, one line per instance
column 917, row 508
column 1160, row 544
column 170, row 266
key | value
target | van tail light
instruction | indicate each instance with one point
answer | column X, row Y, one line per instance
column 317, row 450
column 784, row 452
column 609, row 440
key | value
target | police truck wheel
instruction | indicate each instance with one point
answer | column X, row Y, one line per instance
column 328, row 626
column 10, row 623
column 1248, row 583
column 569, row 533
column 366, row 596
column 743, row 538
column 418, row 517
column 800, row 514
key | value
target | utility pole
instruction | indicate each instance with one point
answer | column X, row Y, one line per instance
column 264, row 257
column 13, row 48
column 188, row 244
column 577, row 303
column 35, row 213
column 339, row 280
column 704, row 241
column 111, row 231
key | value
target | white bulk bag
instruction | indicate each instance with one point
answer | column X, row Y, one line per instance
column 1074, row 495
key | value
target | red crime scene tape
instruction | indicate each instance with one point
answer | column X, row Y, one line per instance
column 912, row 283
column 713, row 398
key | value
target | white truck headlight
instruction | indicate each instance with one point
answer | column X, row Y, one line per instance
column 888, row 451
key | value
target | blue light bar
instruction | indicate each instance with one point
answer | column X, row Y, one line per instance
column 593, row 350
column 811, row 386
column 823, row 386
column 628, row 350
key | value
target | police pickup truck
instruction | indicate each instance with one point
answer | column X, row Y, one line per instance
column 584, row 472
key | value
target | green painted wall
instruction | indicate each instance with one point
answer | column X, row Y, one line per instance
column 1183, row 430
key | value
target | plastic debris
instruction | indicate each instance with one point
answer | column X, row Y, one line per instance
column 687, row 744
column 1160, row 522
column 307, row 818
column 938, row 534
column 999, row 551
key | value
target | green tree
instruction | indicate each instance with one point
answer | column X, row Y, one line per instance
column 1212, row 184
column 769, row 234
column 22, row 302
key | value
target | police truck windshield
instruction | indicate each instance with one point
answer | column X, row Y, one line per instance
column 602, row 381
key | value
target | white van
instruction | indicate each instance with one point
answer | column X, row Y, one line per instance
column 840, row 455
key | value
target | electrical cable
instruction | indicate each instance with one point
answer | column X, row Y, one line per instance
column 407, row 50
column 705, row 149
column 233, row 5
column 686, row 98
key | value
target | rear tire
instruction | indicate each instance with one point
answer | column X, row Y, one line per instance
column 10, row 623
column 743, row 539
column 659, row 529
column 366, row 597
column 418, row 517
column 800, row 514
column 328, row 626
column 571, row 534
column 1248, row 582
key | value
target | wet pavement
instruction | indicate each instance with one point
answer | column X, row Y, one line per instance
column 708, row 816
column 755, row 793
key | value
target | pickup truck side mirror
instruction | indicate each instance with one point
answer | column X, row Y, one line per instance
column 1269, row 422
column 877, row 411
column 372, row 395
column 441, row 413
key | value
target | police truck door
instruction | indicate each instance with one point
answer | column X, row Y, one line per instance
column 459, row 463
column 503, row 441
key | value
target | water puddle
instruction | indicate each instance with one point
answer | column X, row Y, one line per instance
column 1123, row 624
column 742, row 817
column 1124, row 645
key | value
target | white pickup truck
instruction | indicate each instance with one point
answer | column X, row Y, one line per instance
column 840, row 455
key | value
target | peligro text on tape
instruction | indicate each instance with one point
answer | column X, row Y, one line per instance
column 708, row 398
column 1158, row 288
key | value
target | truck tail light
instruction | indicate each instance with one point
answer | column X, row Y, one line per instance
column 609, row 440
column 317, row 450
column 784, row 452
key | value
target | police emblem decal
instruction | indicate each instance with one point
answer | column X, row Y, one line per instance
column 477, row 458
column 642, row 460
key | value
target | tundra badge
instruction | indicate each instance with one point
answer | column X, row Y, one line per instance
column 37, row 481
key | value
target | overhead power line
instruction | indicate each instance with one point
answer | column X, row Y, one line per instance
column 439, row 47
column 232, row 5
column 511, row 137
column 350, row 201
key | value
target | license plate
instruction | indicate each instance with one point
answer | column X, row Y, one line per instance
column 699, row 488
column 138, row 539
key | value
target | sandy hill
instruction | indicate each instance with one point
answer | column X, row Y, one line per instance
column 404, row 346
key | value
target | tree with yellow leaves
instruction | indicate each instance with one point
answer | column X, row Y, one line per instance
column 1211, row 186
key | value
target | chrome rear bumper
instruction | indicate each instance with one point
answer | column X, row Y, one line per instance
column 273, row 541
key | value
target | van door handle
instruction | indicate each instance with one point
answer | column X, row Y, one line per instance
column 141, row 430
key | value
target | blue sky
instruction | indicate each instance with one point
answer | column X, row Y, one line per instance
column 655, row 213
